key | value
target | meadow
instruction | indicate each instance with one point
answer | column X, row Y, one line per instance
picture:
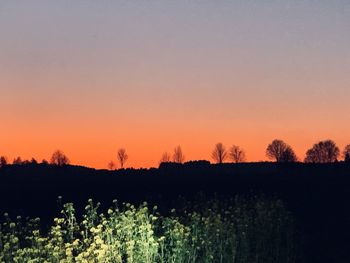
column 250, row 229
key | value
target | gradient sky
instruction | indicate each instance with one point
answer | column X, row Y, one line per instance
column 88, row 77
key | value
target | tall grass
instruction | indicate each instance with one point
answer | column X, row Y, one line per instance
column 256, row 230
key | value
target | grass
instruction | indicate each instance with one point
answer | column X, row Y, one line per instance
column 240, row 230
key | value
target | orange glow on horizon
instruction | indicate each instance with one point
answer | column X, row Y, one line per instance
column 145, row 147
column 89, row 78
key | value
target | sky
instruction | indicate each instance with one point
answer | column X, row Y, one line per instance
column 89, row 77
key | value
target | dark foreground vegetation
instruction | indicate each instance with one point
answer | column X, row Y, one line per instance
column 317, row 195
column 239, row 230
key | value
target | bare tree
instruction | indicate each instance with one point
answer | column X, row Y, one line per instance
column 219, row 153
column 178, row 156
column 288, row 156
column 25, row 162
column 346, row 153
column 122, row 157
column 17, row 161
column 59, row 158
column 237, row 154
column 111, row 165
column 165, row 158
column 275, row 150
column 3, row 161
column 323, row 152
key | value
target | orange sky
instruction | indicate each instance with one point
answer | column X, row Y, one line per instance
column 89, row 78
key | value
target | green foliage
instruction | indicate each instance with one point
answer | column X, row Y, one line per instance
column 238, row 231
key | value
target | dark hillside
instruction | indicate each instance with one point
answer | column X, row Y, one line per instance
column 318, row 195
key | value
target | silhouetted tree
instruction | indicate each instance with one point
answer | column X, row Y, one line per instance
column 178, row 156
column 346, row 153
column 33, row 161
column 219, row 153
column 347, row 158
column 122, row 157
column 288, row 156
column 322, row 152
column 3, row 161
column 165, row 158
column 237, row 155
column 280, row 151
column 111, row 165
column 59, row 158
column 44, row 162
column 17, row 161
column 25, row 162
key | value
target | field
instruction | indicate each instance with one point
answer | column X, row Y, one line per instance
column 260, row 212
column 240, row 230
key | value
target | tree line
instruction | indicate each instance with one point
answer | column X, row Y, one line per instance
column 58, row 158
column 325, row 151
column 322, row 152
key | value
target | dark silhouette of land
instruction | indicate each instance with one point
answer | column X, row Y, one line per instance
column 317, row 194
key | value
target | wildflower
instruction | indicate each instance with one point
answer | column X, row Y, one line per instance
column 98, row 240
column 14, row 240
